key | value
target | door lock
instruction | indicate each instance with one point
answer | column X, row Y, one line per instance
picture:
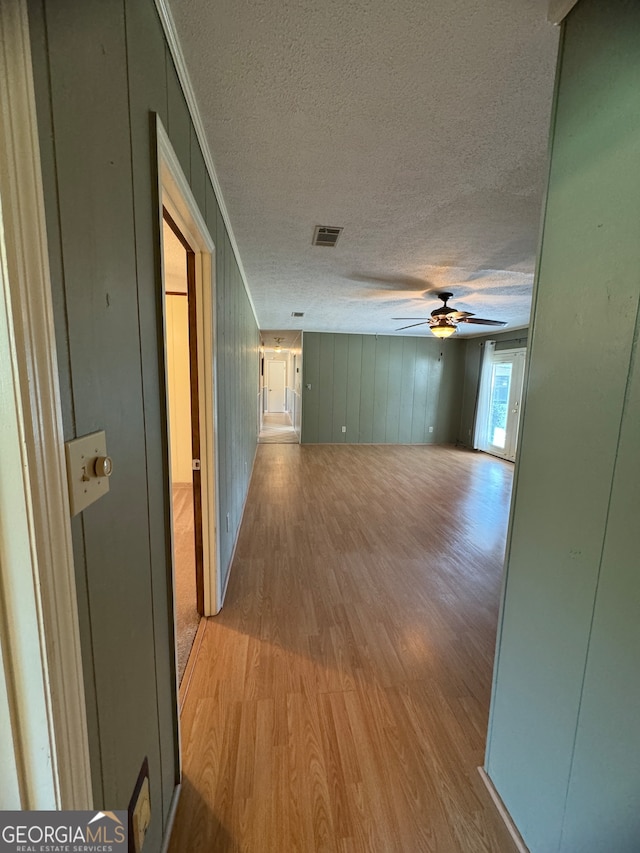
column 103, row 466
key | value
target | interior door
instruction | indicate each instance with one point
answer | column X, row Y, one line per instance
column 276, row 386
column 500, row 403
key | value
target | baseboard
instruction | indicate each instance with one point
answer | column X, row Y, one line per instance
column 235, row 544
column 502, row 811
column 226, row 583
column 170, row 818
column 191, row 664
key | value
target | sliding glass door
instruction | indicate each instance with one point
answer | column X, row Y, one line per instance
column 500, row 402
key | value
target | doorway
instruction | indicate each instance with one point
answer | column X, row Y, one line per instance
column 276, row 385
column 181, row 348
column 500, row 401
column 276, row 425
column 178, row 212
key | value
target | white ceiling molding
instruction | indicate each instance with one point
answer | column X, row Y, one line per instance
column 559, row 9
column 171, row 34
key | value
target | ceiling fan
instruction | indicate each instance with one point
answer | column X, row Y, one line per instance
column 443, row 322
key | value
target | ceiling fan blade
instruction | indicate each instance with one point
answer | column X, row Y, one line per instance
column 423, row 323
column 480, row 322
column 458, row 315
column 426, row 319
column 391, row 282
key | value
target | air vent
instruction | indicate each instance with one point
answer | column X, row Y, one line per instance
column 297, row 313
column 326, row 236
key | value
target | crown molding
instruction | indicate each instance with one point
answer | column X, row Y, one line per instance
column 559, row 9
column 171, row 34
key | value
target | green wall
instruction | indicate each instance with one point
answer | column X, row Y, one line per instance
column 473, row 352
column 384, row 389
column 101, row 71
column 564, row 735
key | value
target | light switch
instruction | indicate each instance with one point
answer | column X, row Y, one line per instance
column 88, row 470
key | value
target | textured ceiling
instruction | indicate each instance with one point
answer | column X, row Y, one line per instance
column 419, row 127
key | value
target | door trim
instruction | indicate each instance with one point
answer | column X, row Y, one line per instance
column 491, row 358
column 175, row 194
column 196, row 474
column 42, row 679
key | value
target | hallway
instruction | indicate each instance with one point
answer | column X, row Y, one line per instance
column 339, row 701
column 277, row 429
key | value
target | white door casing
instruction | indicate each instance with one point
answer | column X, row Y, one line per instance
column 505, row 367
column 44, row 759
column 176, row 195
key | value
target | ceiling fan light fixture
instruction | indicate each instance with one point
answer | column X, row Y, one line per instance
column 442, row 329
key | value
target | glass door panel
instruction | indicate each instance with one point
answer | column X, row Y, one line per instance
column 499, row 404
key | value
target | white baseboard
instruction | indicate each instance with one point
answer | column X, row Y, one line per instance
column 235, row 544
column 502, row 811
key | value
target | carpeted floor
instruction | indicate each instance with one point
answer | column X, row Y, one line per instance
column 187, row 616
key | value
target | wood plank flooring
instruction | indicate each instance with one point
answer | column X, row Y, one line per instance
column 277, row 428
column 339, row 701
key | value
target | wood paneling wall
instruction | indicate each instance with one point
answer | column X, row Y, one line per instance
column 564, row 747
column 384, row 389
column 101, row 72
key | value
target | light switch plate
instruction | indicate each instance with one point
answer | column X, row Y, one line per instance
column 140, row 810
column 141, row 816
column 85, row 486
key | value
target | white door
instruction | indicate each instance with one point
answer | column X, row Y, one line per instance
column 500, row 403
column 275, row 386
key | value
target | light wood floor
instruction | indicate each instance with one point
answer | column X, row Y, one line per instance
column 339, row 701
column 277, row 429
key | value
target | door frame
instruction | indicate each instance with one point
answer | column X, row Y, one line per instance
column 45, row 746
column 194, row 419
column 516, row 357
column 174, row 194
